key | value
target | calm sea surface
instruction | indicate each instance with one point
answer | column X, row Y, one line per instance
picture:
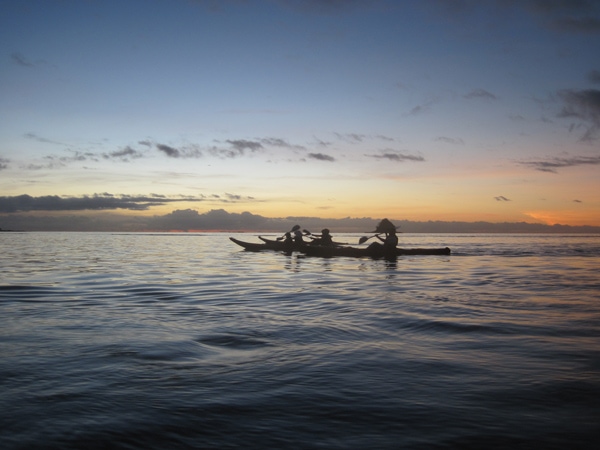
column 156, row 341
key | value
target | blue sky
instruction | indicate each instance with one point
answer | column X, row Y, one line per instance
column 419, row 110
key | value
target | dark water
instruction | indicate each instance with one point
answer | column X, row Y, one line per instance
column 183, row 341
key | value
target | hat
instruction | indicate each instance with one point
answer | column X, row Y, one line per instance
column 385, row 226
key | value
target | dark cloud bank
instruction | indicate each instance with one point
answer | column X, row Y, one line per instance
column 25, row 213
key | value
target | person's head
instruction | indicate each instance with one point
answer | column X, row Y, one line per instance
column 296, row 228
column 325, row 231
column 288, row 235
column 385, row 226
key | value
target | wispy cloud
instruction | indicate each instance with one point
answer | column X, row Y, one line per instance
column 4, row 163
column 241, row 145
column 321, row 157
column 585, row 106
column 236, row 148
column 385, row 138
column 449, row 140
column 480, row 94
column 21, row 60
column 553, row 164
column 392, row 155
column 171, row 152
column 237, row 197
column 424, row 107
column 281, row 143
column 353, row 138
column 35, row 137
column 125, row 154
column 502, row 198
column 183, row 152
column 322, row 143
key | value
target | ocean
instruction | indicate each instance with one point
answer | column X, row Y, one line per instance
column 185, row 341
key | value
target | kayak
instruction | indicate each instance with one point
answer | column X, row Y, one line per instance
column 378, row 252
column 331, row 251
column 269, row 245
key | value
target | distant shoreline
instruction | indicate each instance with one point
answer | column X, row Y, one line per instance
column 223, row 221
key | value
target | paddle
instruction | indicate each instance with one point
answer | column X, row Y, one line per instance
column 364, row 239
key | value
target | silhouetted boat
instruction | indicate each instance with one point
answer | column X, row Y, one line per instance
column 337, row 250
column 269, row 245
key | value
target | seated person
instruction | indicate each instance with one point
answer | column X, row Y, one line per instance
column 324, row 239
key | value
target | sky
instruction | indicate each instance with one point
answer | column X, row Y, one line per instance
column 424, row 110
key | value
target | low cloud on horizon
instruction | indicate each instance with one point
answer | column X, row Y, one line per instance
column 221, row 220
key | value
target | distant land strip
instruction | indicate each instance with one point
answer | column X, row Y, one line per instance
column 189, row 220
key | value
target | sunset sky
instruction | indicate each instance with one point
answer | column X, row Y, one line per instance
column 419, row 110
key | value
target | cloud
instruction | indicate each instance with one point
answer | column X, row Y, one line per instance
column 585, row 106
column 278, row 142
column 551, row 165
column 577, row 201
column 237, row 197
column 480, row 94
column 322, row 143
column 241, row 145
column 502, row 198
column 124, row 155
column 56, row 203
column 190, row 151
column 104, row 201
column 55, row 162
column 392, row 155
column 577, row 25
column 237, row 148
column 594, row 76
column 37, row 138
column 385, row 138
column 425, row 107
column 351, row 137
column 21, row 60
column 171, row 152
column 4, row 163
column 358, row 138
column 449, row 140
column 321, row 157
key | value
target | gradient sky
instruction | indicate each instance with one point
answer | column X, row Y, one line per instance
column 417, row 110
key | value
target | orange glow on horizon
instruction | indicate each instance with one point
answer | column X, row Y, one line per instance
column 572, row 218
